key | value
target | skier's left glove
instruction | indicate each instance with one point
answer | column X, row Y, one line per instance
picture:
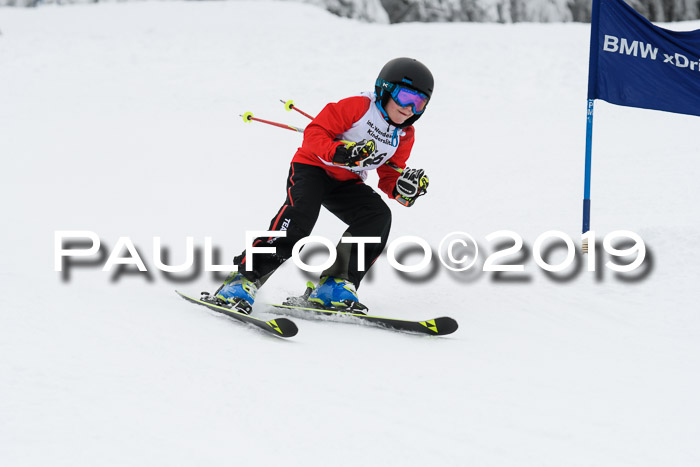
column 410, row 185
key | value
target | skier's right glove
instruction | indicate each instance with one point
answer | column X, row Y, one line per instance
column 410, row 185
column 353, row 154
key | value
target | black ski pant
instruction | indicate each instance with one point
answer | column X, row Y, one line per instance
column 308, row 188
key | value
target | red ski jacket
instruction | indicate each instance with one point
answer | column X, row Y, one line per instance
column 356, row 119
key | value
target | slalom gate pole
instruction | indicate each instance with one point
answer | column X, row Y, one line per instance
column 248, row 117
column 289, row 106
column 587, row 177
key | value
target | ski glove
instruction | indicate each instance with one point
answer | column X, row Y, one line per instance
column 410, row 185
column 353, row 154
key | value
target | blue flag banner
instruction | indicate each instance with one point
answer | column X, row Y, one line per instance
column 637, row 64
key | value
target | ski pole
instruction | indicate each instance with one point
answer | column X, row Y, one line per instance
column 289, row 106
column 394, row 166
column 248, row 116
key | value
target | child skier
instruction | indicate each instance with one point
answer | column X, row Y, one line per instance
column 346, row 139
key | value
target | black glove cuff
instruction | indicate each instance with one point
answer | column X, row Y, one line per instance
column 341, row 155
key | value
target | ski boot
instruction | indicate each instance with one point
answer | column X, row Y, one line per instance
column 338, row 294
column 237, row 292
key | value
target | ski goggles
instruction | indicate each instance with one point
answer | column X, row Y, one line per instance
column 405, row 97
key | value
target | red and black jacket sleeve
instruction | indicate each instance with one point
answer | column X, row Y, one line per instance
column 334, row 119
column 389, row 175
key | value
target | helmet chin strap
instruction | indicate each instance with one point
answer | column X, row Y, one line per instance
column 380, row 106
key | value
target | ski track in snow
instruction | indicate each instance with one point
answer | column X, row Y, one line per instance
column 123, row 119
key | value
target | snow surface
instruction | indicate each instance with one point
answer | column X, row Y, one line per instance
column 123, row 119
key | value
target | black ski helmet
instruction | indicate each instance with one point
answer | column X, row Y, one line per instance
column 407, row 72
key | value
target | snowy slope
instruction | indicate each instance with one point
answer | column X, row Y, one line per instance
column 123, row 119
